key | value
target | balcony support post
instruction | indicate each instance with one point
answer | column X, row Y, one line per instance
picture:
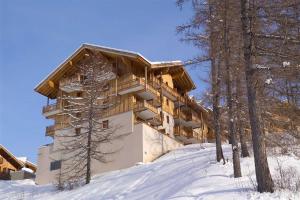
column 146, row 78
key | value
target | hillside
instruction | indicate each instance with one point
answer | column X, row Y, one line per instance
column 187, row 173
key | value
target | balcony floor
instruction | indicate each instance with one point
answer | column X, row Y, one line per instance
column 131, row 89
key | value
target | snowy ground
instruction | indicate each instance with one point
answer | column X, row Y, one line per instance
column 188, row 173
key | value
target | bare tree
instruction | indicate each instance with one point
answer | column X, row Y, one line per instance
column 263, row 176
column 205, row 17
column 87, row 138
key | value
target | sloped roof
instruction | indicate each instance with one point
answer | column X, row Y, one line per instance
column 11, row 158
column 45, row 88
column 16, row 162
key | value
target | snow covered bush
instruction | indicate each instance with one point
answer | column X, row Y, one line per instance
column 287, row 178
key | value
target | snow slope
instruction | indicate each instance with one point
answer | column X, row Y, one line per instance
column 187, row 173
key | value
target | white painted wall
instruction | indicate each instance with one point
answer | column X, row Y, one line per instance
column 141, row 143
column 154, row 143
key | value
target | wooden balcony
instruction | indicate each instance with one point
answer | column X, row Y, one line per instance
column 131, row 83
column 169, row 92
column 182, row 131
column 71, row 84
column 187, row 117
column 156, row 121
column 194, row 121
column 51, row 110
column 50, row 130
column 180, row 101
column 181, row 118
column 145, row 110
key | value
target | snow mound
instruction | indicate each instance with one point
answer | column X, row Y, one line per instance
column 190, row 172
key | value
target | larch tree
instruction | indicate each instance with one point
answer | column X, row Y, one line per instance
column 201, row 31
column 87, row 138
column 263, row 175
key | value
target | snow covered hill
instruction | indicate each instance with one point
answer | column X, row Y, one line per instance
column 187, row 173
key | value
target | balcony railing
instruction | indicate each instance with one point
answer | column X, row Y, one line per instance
column 71, row 84
column 156, row 120
column 180, row 131
column 50, row 130
column 129, row 82
column 132, row 83
column 182, row 115
column 51, row 109
column 144, row 105
column 170, row 92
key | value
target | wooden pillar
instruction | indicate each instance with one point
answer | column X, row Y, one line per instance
column 146, row 77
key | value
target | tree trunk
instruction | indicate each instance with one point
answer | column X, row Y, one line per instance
column 231, row 130
column 216, row 111
column 88, row 163
column 216, row 90
column 263, row 176
column 240, row 125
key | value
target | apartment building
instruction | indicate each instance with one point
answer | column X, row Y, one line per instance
column 153, row 108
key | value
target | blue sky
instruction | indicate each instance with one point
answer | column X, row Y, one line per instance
column 36, row 36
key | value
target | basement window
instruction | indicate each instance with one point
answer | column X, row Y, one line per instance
column 105, row 124
column 79, row 94
column 54, row 165
column 77, row 131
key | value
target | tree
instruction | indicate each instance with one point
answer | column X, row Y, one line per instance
column 263, row 176
column 89, row 138
column 229, row 98
column 204, row 17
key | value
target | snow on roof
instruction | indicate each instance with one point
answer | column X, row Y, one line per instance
column 119, row 50
column 166, row 62
column 23, row 159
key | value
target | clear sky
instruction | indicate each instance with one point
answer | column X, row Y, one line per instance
column 36, row 36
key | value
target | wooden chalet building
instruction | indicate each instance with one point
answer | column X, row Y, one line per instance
column 153, row 102
column 12, row 167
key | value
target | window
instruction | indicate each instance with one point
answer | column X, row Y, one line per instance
column 1, row 160
column 78, row 115
column 79, row 94
column 168, row 119
column 105, row 124
column 77, row 131
column 167, row 102
column 106, row 87
column 54, row 165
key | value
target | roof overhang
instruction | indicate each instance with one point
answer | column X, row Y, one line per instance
column 11, row 158
column 49, row 86
column 176, row 68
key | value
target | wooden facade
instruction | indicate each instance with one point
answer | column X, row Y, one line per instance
column 154, row 91
column 10, row 163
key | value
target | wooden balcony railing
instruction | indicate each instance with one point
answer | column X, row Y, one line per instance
column 77, row 79
column 144, row 105
column 51, row 108
column 180, row 131
column 156, row 120
column 171, row 91
column 129, row 81
column 50, row 130
column 182, row 115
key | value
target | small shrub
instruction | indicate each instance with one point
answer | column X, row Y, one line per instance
column 287, row 178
